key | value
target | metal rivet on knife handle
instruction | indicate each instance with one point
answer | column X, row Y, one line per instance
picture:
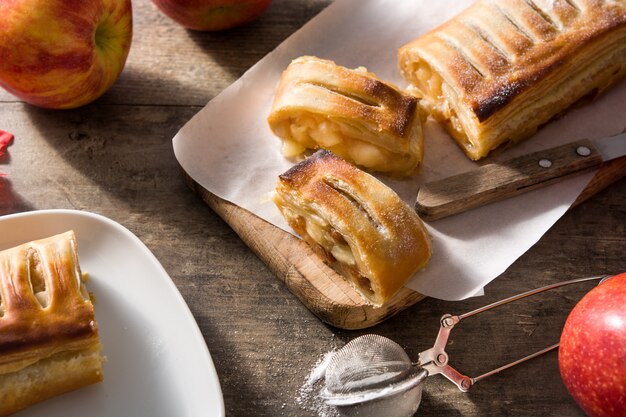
column 583, row 151
column 545, row 163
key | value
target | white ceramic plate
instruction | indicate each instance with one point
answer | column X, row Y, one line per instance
column 157, row 361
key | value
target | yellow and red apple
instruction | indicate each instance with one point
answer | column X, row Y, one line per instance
column 592, row 353
column 212, row 15
column 63, row 53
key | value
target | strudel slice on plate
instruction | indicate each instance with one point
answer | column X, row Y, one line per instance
column 350, row 112
column 502, row 68
column 49, row 341
column 358, row 225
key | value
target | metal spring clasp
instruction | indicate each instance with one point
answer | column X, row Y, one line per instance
column 435, row 359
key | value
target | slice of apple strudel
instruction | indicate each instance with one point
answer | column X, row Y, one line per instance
column 350, row 112
column 358, row 225
column 502, row 68
column 49, row 342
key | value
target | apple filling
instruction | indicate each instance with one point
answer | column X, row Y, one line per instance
column 37, row 281
column 313, row 132
column 437, row 97
column 316, row 230
column 36, row 278
column 321, row 233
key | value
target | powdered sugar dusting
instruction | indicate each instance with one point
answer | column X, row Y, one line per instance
column 309, row 394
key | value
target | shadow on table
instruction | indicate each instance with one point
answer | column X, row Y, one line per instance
column 145, row 85
column 10, row 201
column 239, row 48
column 234, row 376
column 125, row 153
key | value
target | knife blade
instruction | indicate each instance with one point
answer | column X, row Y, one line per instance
column 497, row 181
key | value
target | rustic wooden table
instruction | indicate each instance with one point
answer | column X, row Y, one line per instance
column 114, row 157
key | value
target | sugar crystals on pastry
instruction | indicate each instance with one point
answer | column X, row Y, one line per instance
column 49, row 342
column 502, row 68
column 351, row 112
column 356, row 223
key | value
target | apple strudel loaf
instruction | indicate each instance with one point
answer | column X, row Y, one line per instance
column 502, row 68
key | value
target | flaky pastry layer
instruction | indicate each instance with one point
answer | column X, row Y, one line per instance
column 352, row 113
column 356, row 223
column 57, row 374
column 503, row 68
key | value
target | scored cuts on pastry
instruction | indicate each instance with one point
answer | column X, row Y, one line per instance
column 351, row 112
column 502, row 68
column 357, row 224
column 49, row 342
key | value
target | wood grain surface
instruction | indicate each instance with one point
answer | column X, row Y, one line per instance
column 114, row 157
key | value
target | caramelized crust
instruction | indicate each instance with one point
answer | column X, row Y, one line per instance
column 46, row 319
column 319, row 104
column 356, row 223
column 502, row 68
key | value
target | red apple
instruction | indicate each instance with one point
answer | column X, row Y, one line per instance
column 62, row 53
column 592, row 353
column 212, row 15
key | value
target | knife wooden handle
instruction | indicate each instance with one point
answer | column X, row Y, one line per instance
column 494, row 182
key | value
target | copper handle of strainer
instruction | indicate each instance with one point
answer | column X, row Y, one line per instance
column 435, row 359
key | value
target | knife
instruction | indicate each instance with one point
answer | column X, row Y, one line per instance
column 497, row 181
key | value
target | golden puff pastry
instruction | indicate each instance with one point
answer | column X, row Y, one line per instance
column 49, row 342
column 352, row 113
column 358, row 225
column 503, row 68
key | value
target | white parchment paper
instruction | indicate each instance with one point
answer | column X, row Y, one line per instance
column 229, row 149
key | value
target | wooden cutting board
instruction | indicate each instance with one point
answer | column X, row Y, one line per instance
column 321, row 289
